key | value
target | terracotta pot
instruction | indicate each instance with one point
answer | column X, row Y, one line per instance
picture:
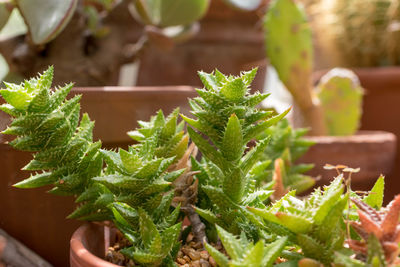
column 37, row 218
column 88, row 247
column 90, row 242
column 381, row 111
column 116, row 110
column 373, row 151
column 33, row 216
column 229, row 40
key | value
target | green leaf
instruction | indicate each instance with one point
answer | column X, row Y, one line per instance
column 234, row 184
column 131, row 162
column 37, row 180
column 18, row 99
column 375, row 254
column 165, row 13
column 347, row 261
column 326, row 231
column 375, row 196
column 330, row 197
column 232, row 142
column 234, row 90
column 218, row 197
column 122, row 181
column 170, row 237
column 207, row 215
column 145, row 257
column 253, row 256
column 127, row 212
column 46, row 19
column 312, row 248
column 219, row 258
column 147, row 228
column 208, row 151
column 209, row 80
column 253, row 156
column 295, row 223
column 273, row 251
column 255, row 130
column 230, row 243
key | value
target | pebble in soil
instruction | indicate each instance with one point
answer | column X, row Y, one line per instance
column 192, row 254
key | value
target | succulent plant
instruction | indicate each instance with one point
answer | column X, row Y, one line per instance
column 340, row 94
column 48, row 124
column 226, row 122
column 285, row 147
column 313, row 224
column 140, row 175
column 379, row 232
column 289, row 48
column 153, row 238
column 142, row 190
column 244, row 253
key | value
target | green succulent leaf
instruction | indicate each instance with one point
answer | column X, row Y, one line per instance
column 375, row 197
column 165, row 13
column 46, row 19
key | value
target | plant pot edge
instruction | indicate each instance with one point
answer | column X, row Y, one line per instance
column 82, row 256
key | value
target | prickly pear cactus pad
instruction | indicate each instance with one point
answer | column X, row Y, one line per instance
column 340, row 94
column 289, row 47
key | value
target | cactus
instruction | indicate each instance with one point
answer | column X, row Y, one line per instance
column 340, row 95
column 360, row 33
column 289, row 48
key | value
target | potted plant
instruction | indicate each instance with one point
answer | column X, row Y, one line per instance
column 372, row 53
column 101, row 36
column 333, row 108
column 140, row 196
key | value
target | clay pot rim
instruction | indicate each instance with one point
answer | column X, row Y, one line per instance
column 136, row 89
column 362, row 136
column 78, row 250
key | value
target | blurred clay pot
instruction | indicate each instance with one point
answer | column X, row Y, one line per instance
column 372, row 151
column 117, row 109
column 88, row 246
column 229, row 40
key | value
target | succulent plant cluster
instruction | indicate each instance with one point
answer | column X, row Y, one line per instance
column 240, row 189
column 334, row 107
